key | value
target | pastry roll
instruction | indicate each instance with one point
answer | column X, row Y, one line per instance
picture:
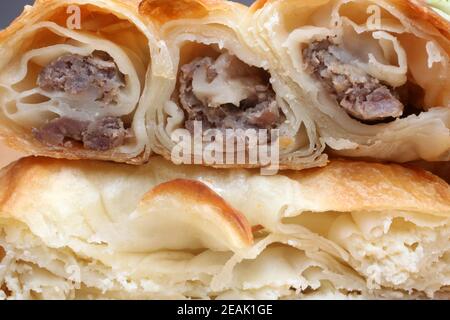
column 73, row 75
column 222, row 95
column 375, row 73
column 88, row 229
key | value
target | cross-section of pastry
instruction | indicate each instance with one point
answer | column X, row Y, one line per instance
column 90, row 229
column 72, row 77
column 222, row 89
column 376, row 73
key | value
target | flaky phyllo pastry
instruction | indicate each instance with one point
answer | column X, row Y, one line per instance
column 102, row 230
column 219, row 84
column 354, row 78
column 374, row 75
column 73, row 80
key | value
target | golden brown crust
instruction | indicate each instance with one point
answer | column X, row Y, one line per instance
column 164, row 11
column 347, row 186
column 190, row 191
column 22, row 175
column 43, row 9
column 342, row 186
column 419, row 9
column 415, row 9
column 258, row 4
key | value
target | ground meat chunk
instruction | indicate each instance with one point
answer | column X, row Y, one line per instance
column 258, row 110
column 101, row 135
column 105, row 134
column 56, row 132
column 95, row 76
column 361, row 95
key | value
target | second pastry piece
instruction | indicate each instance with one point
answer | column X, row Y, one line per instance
column 375, row 74
column 217, row 83
column 72, row 77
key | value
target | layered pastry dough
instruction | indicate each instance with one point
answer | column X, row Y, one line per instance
column 376, row 74
column 73, row 75
column 102, row 230
column 355, row 78
column 219, row 86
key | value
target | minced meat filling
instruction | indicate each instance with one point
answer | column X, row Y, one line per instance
column 361, row 95
column 225, row 93
column 95, row 76
column 101, row 135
